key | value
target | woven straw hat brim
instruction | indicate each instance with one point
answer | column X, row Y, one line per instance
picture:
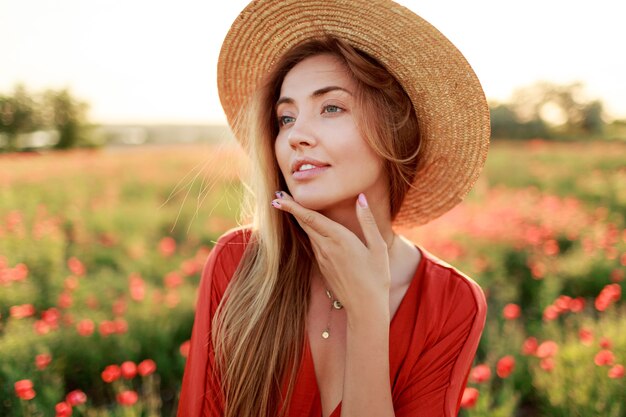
column 448, row 99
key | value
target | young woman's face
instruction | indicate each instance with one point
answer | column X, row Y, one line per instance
column 315, row 113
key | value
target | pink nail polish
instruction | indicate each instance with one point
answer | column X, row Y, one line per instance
column 276, row 203
column 362, row 200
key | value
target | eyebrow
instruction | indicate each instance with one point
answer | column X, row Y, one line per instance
column 316, row 93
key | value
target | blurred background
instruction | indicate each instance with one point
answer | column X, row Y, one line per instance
column 118, row 173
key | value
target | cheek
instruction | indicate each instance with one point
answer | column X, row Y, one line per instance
column 281, row 153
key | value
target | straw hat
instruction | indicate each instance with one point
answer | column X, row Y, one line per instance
column 448, row 99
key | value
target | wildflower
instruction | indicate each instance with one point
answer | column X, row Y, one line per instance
column 119, row 307
column 146, row 367
column 19, row 272
column 469, row 398
column 137, row 287
column 577, row 305
column 121, row 326
column 550, row 313
column 111, row 373
column 586, row 336
column 129, row 369
column 609, row 294
column 85, row 327
column 547, row 349
column 617, row 371
column 511, row 311
column 65, row 300
column 606, row 343
column 127, row 397
column 184, row 348
column 42, row 361
column 604, row 357
column 505, row 366
column 63, row 409
column 167, row 246
column 551, row 247
column 41, row 327
column 529, row 347
column 24, row 389
column 22, row 311
column 106, row 328
column 76, row 397
column 173, row 280
column 480, row 373
column 547, row 364
column 76, row 266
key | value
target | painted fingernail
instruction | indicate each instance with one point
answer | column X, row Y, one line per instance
column 276, row 203
column 279, row 194
column 362, row 200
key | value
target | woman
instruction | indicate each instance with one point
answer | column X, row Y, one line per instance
column 359, row 117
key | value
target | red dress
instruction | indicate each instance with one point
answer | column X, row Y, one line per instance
column 432, row 340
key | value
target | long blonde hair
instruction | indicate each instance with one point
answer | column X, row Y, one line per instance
column 259, row 328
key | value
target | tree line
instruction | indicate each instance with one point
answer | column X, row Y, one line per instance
column 542, row 110
column 54, row 111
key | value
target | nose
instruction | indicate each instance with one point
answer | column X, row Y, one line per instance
column 301, row 134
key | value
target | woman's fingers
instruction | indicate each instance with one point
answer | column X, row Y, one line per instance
column 373, row 237
column 310, row 220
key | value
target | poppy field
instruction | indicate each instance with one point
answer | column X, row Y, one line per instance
column 101, row 252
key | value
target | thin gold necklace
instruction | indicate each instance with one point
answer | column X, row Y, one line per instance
column 336, row 304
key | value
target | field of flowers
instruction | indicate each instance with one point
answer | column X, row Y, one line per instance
column 100, row 253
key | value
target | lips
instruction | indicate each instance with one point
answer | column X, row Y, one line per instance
column 295, row 166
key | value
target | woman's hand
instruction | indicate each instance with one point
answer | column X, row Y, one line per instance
column 358, row 274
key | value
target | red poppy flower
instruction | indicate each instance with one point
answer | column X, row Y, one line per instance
column 24, row 389
column 585, row 336
column 63, row 409
column 577, row 305
column 547, row 364
column 505, row 366
column 617, row 371
column 511, row 311
column 127, row 397
column 550, row 313
column 184, row 348
column 173, row 280
column 129, row 369
column 22, row 311
column 76, row 266
column 42, row 361
column 529, row 347
column 167, row 246
column 76, row 397
column 469, row 398
column 111, row 373
column 106, row 328
column 480, row 373
column 137, row 287
column 604, row 357
column 85, row 327
column 606, row 343
column 547, row 349
column 146, row 367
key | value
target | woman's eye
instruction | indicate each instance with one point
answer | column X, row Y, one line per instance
column 283, row 120
column 332, row 109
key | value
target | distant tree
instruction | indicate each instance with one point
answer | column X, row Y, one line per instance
column 548, row 110
column 66, row 115
column 18, row 114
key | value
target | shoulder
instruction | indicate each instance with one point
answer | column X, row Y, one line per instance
column 451, row 297
column 225, row 256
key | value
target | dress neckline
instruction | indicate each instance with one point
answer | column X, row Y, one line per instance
column 308, row 355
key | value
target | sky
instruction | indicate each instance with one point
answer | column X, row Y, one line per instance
column 154, row 61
